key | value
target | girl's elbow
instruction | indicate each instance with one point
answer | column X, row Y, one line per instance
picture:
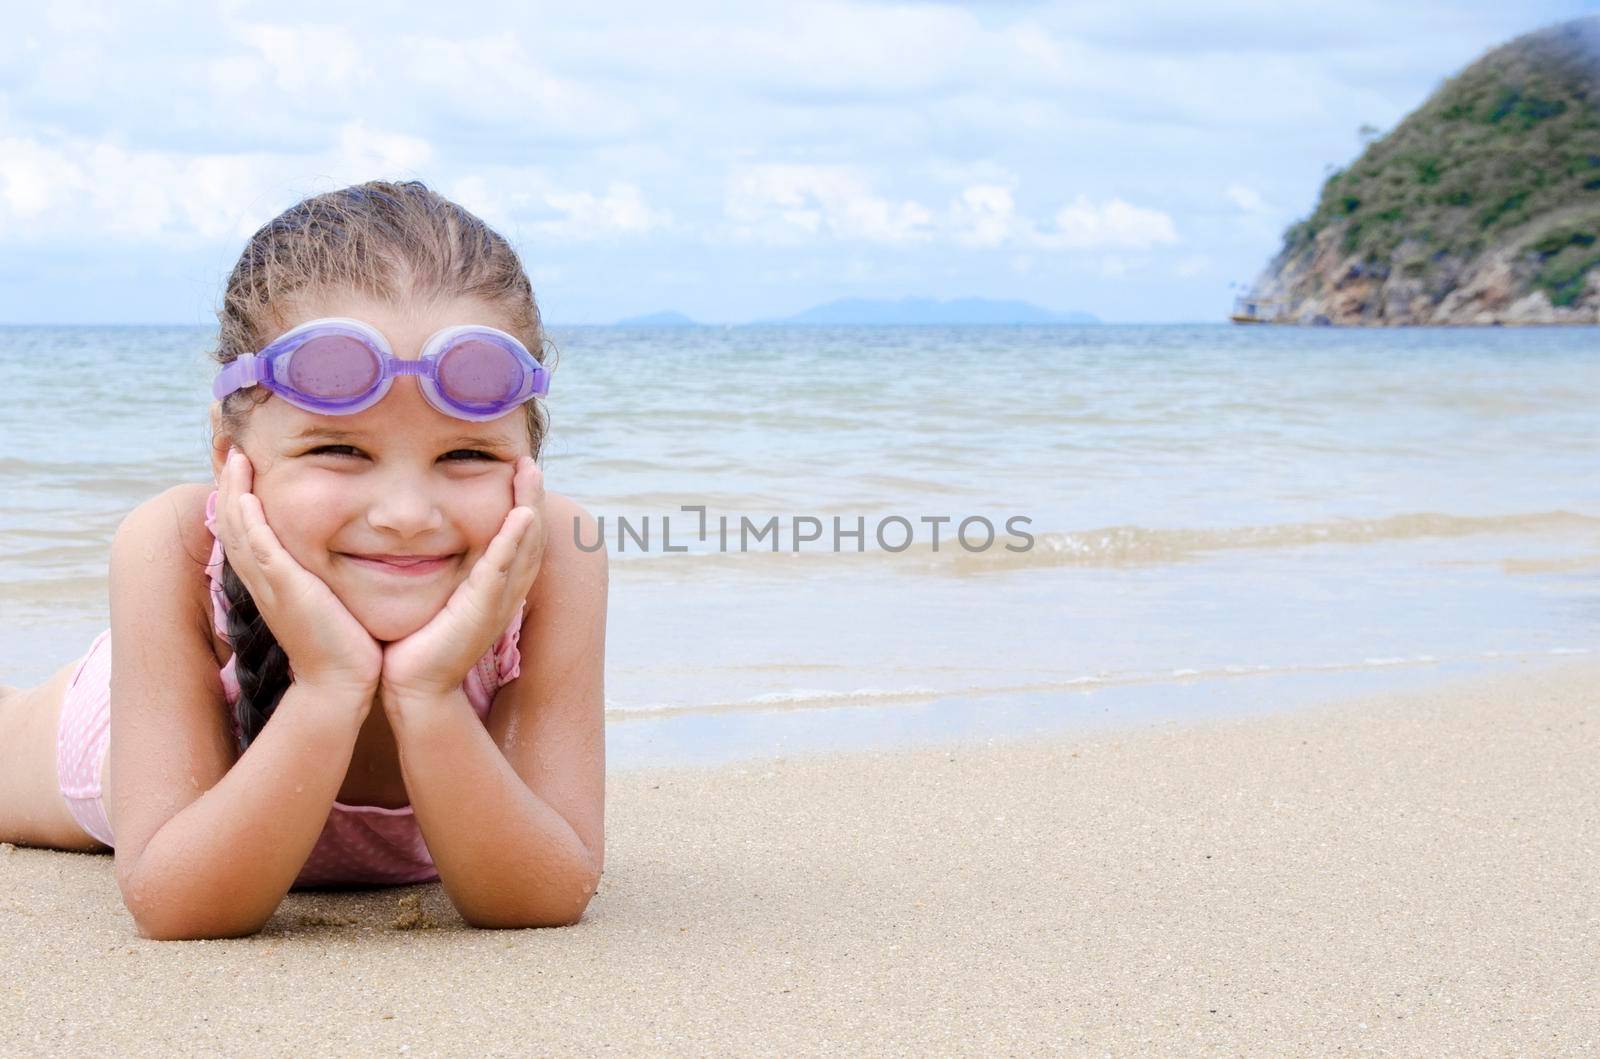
column 159, row 915
column 580, row 900
column 564, row 913
column 155, row 927
column 162, row 917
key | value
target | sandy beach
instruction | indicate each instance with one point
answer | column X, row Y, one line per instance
column 1409, row 874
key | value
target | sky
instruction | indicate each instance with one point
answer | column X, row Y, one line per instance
column 732, row 161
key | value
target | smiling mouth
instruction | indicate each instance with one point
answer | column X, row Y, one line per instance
column 402, row 565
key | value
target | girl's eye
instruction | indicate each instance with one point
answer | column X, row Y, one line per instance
column 454, row 456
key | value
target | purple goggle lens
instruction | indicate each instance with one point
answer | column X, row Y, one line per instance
column 338, row 366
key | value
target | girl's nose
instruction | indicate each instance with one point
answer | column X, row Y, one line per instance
column 404, row 509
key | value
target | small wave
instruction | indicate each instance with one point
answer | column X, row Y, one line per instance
column 1571, row 565
column 65, row 590
column 807, row 698
column 1136, row 545
column 1110, row 546
column 811, row 696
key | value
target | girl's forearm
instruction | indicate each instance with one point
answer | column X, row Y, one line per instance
column 221, row 866
column 506, row 858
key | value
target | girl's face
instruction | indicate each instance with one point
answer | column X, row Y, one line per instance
column 399, row 480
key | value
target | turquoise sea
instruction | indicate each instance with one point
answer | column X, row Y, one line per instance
column 1219, row 519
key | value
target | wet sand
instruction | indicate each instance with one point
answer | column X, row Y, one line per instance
column 1416, row 873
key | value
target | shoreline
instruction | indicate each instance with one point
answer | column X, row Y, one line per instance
column 845, row 723
column 1400, row 872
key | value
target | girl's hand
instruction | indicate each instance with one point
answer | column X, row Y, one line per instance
column 327, row 647
column 435, row 659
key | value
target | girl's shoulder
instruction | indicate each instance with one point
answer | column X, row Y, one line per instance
column 567, row 526
column 573, row 572
column 173, row 518
column 169, row 533
column 176, row 517
column 560, row 508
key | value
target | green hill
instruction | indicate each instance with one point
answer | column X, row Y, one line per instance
column 1482, row 206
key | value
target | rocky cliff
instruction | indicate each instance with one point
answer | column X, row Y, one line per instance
column 1481, row 207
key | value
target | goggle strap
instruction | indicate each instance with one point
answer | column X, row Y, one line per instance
column 244, row 371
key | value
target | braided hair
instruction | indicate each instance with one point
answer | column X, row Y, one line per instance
column 260, row 664
column 395, row 241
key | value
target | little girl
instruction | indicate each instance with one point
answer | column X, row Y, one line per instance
column 373, row 653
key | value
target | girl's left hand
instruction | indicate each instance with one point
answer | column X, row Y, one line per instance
column 435, row 659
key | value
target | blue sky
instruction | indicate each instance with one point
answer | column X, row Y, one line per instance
column 734, row 161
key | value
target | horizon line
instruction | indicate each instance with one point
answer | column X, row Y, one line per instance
column 688, row 326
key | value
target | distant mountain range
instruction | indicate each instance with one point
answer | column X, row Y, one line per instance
column 869, row 311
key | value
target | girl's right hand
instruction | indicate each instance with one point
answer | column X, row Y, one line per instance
column 327, row 647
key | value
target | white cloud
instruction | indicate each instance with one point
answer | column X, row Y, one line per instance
column 493, row 81
column 782, row 203
column 824, row 50
column 1112, row 223
column 30, row 177
column 87, row 190
column 789, row 204
column 365, row 153
column 520, row 199
column 308, row 61
column 620, row 211
column 985, row 216
column 1246, row 198
column 84, row 189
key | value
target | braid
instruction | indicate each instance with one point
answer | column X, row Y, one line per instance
column 260, row 664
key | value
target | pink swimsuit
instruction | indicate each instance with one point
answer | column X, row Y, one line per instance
column 359, row 844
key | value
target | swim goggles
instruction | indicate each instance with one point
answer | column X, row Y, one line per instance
column 339, row 366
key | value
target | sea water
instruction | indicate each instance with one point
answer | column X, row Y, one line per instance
column 1186, row 519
